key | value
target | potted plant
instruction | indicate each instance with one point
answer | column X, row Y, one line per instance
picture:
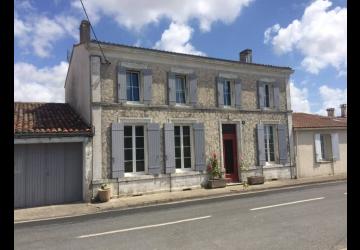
column 104, row 192
column 250, row 180
column 215, row 176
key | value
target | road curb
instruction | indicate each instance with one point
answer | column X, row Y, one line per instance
column 182, row 200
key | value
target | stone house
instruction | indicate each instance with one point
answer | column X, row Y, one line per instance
column 157, row 116
column 320, row 143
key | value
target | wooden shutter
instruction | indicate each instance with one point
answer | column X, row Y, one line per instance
column 276, row 96
column 283, row 149
column 199, row 145
column 147, row 74
column 220, row 91
column 335, row 146
column 193, row 89
column 260, row 144
column 169, row 146
column 122, row 93
column 261, row 95
column 171, row 88
column 318, row 156
column 117, row 150
column 153, row 135
column 238, row 93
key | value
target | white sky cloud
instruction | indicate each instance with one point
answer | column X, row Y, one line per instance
column 176, row 38
column 332, row 98
column 32, row 84
column 136, row 14
column 299, row 99
column 320, row 36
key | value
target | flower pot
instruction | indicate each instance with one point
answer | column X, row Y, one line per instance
column 104, row 194
column 216, row 183
column 254, row 180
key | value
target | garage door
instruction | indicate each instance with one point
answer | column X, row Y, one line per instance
column 47, row 174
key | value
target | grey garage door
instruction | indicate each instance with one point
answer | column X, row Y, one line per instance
column 49, row 173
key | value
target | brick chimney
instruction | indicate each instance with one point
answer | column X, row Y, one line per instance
column 330, row 112
column 84, row 31
column 246, row 56
column 343, row 110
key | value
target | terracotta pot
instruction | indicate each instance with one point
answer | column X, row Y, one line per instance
column 104, row 194
column 254, row 180
column 216, row 183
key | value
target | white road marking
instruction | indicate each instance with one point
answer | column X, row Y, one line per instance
column 288, row 203
column 143, row 227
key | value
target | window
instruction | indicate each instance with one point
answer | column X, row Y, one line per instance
column 182, row 147
column 227, row 93
column 180, row 82
column 269, row 143
column 134, row 149
column 132, row 86
column 325, row 143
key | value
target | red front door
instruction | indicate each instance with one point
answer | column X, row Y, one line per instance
column 230, row 152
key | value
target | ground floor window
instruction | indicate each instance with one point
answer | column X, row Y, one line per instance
column 182, row 147
column 134, row 149
column 325, row 142
column 269, row 143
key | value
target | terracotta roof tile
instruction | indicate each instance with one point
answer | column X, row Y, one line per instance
column 39, row 119
column 303, row 120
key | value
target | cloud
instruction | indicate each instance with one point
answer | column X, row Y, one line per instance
column 299, row 99
column 320, row 36
column 137, row 14
column 32, row 84
column 40, row 33
column 332, row 98
column 176, row 38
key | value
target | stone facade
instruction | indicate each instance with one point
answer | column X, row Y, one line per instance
column 108, row 110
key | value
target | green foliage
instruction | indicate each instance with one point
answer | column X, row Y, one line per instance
column 213, row 167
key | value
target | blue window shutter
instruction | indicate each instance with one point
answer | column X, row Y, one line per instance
column 171, row 88
column 122, row 91
column 238, row 93
column 147, row 74
column 153, row 130
column 199, row 145
column 318, row 154
column 261, row 95
column 260, row 144
column 276, row 96
column 117, row 150
column 283, row 149
column 169, row 148
column 335, row 146
column 220, row 91
column 193, row 89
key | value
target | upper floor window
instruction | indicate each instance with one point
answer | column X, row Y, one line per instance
column 134, row 149
column 132, row 86
column 227, row 93
column 182, row 147
column 180, row 82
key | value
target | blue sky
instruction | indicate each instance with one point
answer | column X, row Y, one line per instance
column 308, row 36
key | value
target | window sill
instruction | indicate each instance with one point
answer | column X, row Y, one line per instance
column 134, row 103
column 324, row 161
column 185, row 172
column 177, row 105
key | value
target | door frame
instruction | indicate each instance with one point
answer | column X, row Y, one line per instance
column 239, row 141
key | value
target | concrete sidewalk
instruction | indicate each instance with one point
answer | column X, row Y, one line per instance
column 77, row 209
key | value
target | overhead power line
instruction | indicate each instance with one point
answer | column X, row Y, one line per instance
column 92, row 29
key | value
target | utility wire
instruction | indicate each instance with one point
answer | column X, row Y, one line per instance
column 102, row 52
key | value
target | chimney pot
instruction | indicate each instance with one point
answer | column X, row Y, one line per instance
column 246, row 56
column 84, row 31
column 330, row 112
column 343, row 110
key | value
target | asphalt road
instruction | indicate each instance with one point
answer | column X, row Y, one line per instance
column 305, row 218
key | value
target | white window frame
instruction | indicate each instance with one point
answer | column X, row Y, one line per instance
column 266, row 137
column 226, row 81
column 133, row 144
column 182, row 169
column 271, row 95
column 185, row 90
column 138, row 72
column 326, row 146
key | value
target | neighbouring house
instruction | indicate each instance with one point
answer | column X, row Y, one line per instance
column 320, row 143
column 52, row 155
column 158, row 115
